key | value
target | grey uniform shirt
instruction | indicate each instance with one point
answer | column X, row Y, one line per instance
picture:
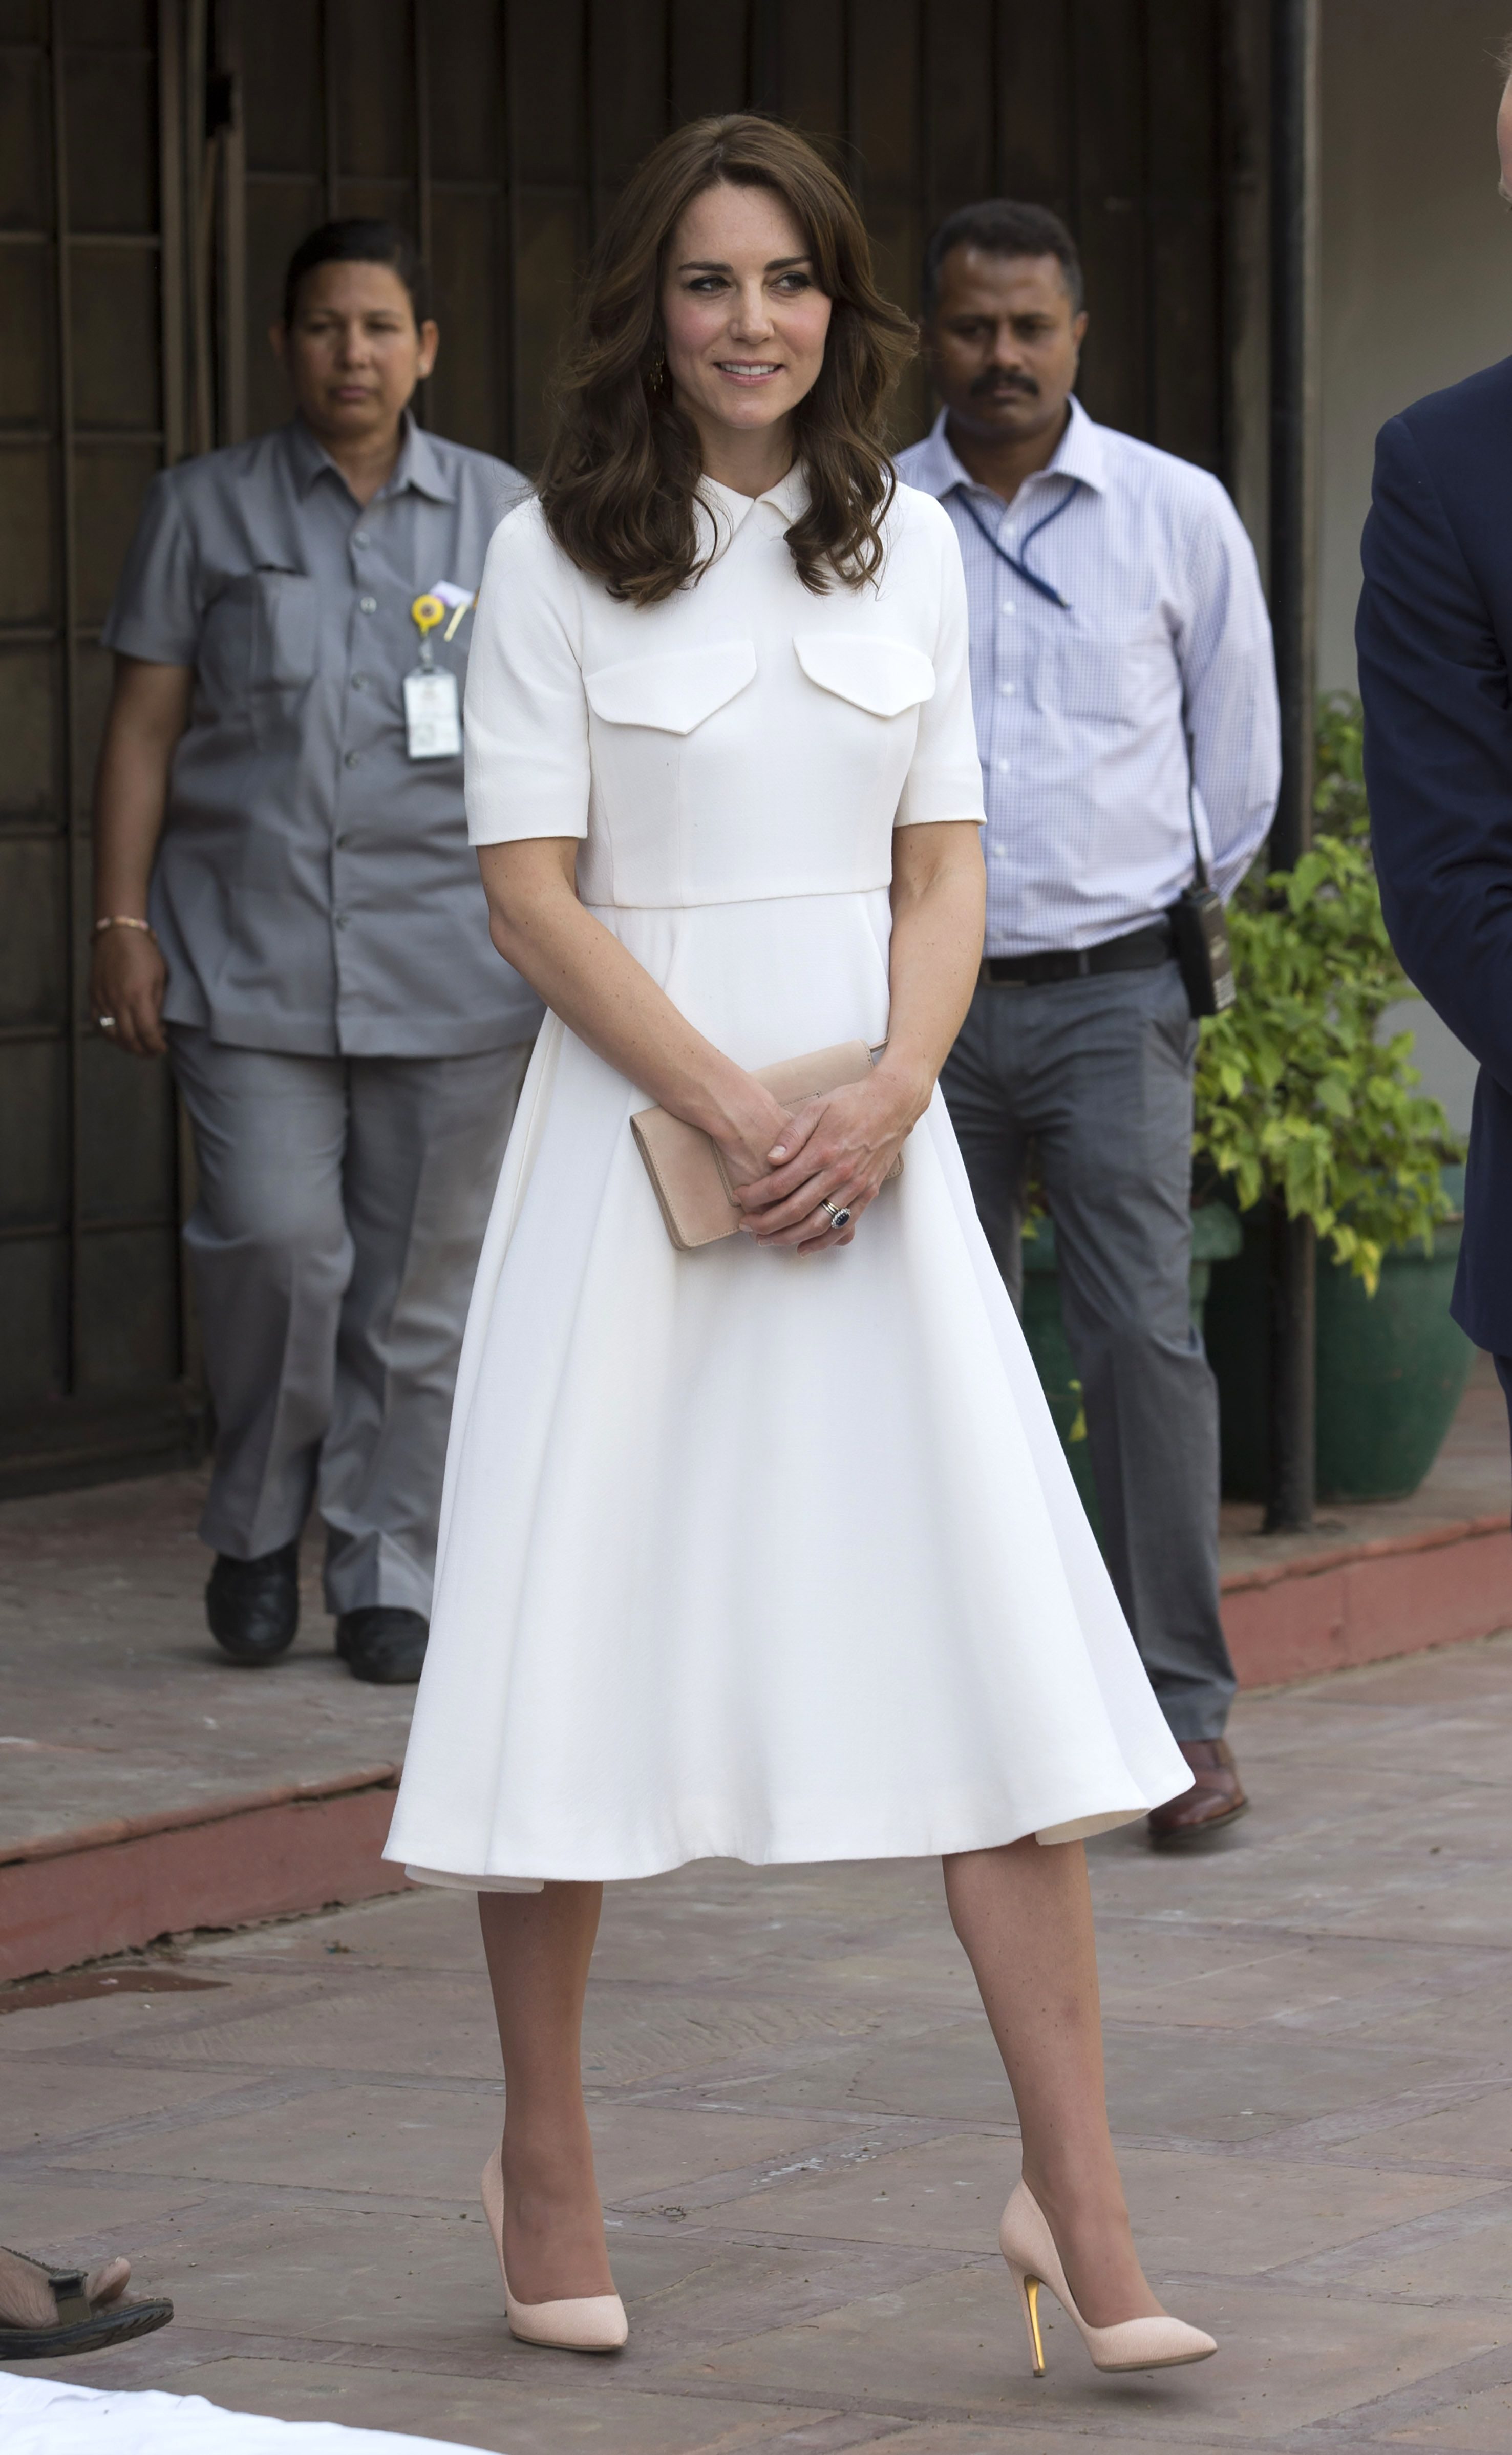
column 314, row 890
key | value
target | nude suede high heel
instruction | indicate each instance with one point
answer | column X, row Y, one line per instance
column 1027, row 2244
column 594, row 2324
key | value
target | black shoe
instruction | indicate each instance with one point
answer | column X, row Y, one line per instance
column 382, row 1644
column 253, row 1606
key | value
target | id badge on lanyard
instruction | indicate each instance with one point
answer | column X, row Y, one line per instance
column 432, row 709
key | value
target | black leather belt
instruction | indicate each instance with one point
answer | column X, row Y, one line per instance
column 1139, row 952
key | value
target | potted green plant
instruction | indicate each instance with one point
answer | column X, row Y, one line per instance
column 1301, row 1103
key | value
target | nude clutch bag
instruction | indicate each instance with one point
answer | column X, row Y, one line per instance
column 684, row 1165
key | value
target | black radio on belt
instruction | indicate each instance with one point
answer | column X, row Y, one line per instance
column 1199, row 930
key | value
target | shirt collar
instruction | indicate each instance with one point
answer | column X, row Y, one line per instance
column 418, row 465
column 1079, row 454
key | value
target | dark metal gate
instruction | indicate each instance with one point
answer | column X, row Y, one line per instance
column 93, row 1358
column 158, row 160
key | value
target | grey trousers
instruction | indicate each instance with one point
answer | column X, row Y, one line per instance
column 1097, row 1075
column 342, row 1202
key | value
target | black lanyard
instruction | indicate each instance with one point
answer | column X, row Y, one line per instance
column 1016, row 563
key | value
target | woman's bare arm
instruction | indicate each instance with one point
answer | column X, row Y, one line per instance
column 612, row 1003
column 148, row 713
column 940, row 908
column 846, row 1143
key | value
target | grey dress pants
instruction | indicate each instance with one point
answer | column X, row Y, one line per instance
column 1095, row 1076
column 341, row 1205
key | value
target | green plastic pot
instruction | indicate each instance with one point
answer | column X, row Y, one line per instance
column 1215, row 1237
column 1391, row 1368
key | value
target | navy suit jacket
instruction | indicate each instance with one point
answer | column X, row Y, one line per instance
column 1435, row 638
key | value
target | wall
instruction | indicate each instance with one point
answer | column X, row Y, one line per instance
column 1417, row 291
column 1417, row 249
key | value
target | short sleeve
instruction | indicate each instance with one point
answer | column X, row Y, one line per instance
column 156, row 609
column 943, row 783
column 526, row 717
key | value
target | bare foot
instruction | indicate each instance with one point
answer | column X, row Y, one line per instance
column 26, row 2296
column 1096, row 2243
column 553, row 2223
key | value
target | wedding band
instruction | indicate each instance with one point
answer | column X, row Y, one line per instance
column 838, row 1218
column 106, row 1021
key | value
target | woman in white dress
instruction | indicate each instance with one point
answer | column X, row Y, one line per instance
column 765, row 1550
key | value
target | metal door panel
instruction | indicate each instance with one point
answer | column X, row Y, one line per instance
column 28, row 559
column 29, row 720
column 118, row 367
column 25, row 174
column 91, row 1346
column 33, row 1135
column 111, row 100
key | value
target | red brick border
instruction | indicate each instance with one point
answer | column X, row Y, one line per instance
column 1366, row 1602
column 78, row 1896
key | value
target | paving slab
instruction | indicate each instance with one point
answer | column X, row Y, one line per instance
column 804, row 2137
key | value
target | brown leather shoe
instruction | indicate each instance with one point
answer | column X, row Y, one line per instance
column 1216, row 1798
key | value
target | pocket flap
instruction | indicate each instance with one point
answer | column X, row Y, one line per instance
column 672, row 694
column 883, row 675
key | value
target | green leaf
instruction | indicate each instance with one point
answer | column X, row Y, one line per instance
column 1295, row 1095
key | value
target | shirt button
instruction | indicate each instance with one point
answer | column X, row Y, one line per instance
column 351, row 759
column 1001, row 767
column 359, row 682
column 1007, row 689
column 340, row 919
column 359, row 536
column 369, row 604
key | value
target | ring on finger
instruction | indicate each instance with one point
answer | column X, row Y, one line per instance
column 106, row 1021
column 840, row 1215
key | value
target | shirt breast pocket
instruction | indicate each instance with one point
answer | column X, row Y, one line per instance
column 1108, row 674
column 257, row 638
column 283, row 643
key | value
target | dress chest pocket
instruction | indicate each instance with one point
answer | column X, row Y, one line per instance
column 886, row 678
column 672, row 694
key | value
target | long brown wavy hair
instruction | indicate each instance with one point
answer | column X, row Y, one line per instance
column 618, row 481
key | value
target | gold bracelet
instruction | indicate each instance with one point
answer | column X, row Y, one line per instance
column 122, row 921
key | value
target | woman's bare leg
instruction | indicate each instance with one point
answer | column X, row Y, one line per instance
column 1024, row 1915
column 538, row 1947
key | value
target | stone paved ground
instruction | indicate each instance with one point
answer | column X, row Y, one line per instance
column 804, row 2140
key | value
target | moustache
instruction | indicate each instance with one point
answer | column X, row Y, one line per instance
column 992, row 383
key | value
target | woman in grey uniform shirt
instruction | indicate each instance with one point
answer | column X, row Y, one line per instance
column 286, row 903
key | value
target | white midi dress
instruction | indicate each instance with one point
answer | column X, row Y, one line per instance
column 746, row 1554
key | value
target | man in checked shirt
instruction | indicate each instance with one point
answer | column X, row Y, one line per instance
column 1125, row 692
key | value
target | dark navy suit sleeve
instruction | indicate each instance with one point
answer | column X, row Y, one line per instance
column 1433, row 676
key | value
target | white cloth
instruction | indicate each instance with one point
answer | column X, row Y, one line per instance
column 52, row 2417
column 1147, row 624
column 746, row 1554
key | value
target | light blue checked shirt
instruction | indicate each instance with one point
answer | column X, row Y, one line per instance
column 1116, row 608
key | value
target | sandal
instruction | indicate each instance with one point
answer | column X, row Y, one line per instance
column 89, row 2310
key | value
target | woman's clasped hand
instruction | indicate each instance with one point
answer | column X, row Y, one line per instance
column 784, row 1167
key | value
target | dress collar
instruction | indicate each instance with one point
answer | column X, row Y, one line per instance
column 788, row 499
column 728, row 511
